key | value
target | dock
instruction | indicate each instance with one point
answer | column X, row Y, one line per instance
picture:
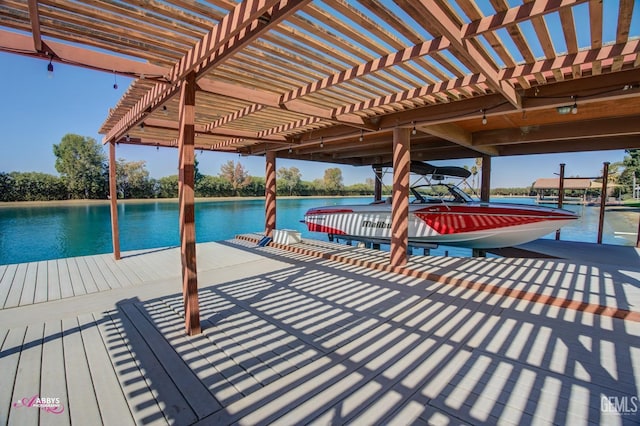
column 320, row 333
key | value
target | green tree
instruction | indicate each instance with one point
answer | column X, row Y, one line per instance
column 631, row 164
column 6, row 187
column 35, row 186
column 333, row 180
column 132, row 179
column 236, row 175
column 197, row 176
column 213, row 186
column 289, row 179
column 167, row 187
column 81, row 163
column 255, row 188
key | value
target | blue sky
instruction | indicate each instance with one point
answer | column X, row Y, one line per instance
column 38, row 111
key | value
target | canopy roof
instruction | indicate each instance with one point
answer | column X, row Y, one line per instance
column 569, row 183
column 330, row 80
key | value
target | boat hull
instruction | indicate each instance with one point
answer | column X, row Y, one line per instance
column 472, row 225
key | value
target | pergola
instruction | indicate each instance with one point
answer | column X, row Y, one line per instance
column 356, row 82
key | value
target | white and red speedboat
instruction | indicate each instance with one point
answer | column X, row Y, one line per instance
column 441, row 213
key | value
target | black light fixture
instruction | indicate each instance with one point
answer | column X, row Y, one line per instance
column 164, row 110
column 484, row 117
column 290, row 150
column 142, row 126
column 115, row 82
column 50, row 68
column 127, row 138
column 361, row 135
column 414, row 131
column 157, row 146
column 321, row 142
column 574, row 108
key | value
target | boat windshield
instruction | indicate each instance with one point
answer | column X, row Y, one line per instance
column 439, row 193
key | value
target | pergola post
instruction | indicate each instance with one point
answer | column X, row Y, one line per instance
column 485, row 185
column 560, row 194
column 186, row 140
column 377, row 184
column 603, row 199
column 400, row 202
column 270, row 194
column 113, row 197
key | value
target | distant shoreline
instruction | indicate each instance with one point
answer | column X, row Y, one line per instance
column 84, row 202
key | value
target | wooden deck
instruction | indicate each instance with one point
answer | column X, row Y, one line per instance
column 318, row 334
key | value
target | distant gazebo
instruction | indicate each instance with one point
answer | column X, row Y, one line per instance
column 542, row 185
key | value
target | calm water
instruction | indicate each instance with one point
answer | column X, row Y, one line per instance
column 40, row 233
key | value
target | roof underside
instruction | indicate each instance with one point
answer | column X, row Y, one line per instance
column 330, row 80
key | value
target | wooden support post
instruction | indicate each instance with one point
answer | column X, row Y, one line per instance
column 603, row 199
column 113, row 196
column 400, row 202
column 485, row 186
column 377, row 184
column 186, row 140
column 560, row 194
column 270, row 194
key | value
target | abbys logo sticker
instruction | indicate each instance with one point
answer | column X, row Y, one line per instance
column 50, row 405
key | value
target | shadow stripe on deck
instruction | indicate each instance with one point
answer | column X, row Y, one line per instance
column 380, row 263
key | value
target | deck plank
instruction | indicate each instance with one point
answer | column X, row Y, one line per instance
column 150, row 352
column 97, row 273
column 10, row 355
column 126, row 276
column 77, row 282
column 17, row 284
column 6, row 282
column 215, row 369
column 111, row 402
column 66, row 288
column 114, row 277
column 41, row 292
column 29, row 287
column 53, row 281
column 130, row 374
column 53, row 382
column 83, row 406
column 87, row 277
column 27, row 379
column 196, row 394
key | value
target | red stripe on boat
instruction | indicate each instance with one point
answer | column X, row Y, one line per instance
column 316, row 227
column 454, row 220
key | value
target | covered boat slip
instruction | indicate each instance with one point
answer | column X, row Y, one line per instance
column 354, row 83
column 321, row 333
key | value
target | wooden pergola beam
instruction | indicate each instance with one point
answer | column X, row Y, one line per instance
column 413, row 52
column 34, row 16
column 79, row 56
column 441, row 21
column 604, row 53
column 262, row 98
column 572, row 145
column 587, row 129
column 203, row 129
column 236, row 30
column 515, row 15
column 457, row 135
